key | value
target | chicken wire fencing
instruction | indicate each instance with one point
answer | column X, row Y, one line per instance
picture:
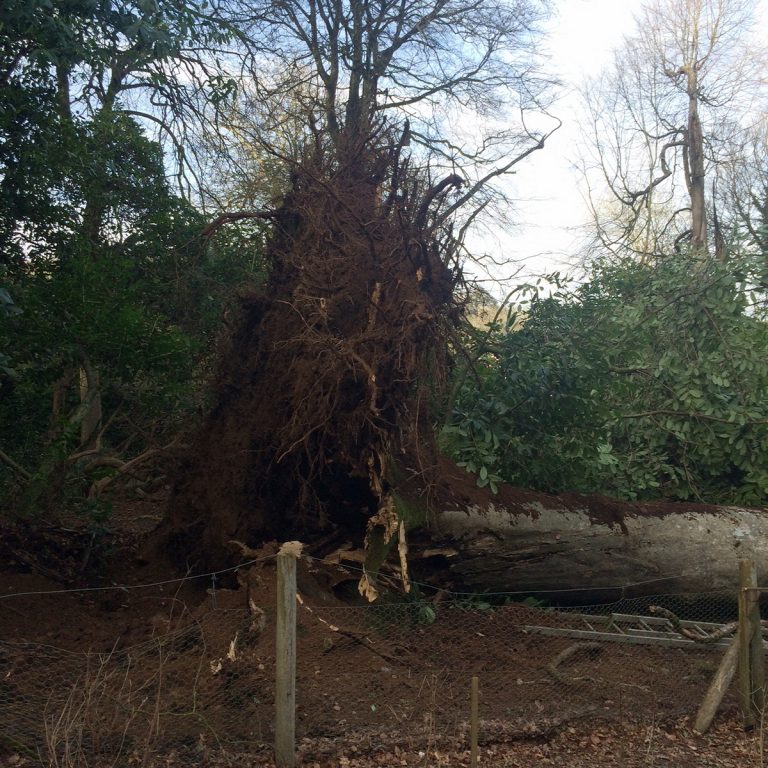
column 389, row 673
column 402, row 672
column 197, row 685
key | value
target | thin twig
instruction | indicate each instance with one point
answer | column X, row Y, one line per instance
column 16, row 467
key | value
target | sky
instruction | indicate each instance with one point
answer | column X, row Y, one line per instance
column 550, row 209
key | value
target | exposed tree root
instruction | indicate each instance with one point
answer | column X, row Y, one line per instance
column 325, row 384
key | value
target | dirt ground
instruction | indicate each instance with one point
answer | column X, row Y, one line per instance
column 193, row 666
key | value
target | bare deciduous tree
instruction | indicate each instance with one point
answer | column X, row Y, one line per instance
column 745, row 185
column 662, row 117
column 324, row 391
column 463, row 73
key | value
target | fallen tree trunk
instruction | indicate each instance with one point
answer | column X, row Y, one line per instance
column 573, row 547
column 570, row 548
column 584, row 547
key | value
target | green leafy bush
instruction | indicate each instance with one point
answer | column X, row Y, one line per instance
column 647, row 381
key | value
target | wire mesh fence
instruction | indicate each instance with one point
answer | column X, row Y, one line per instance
column 201, row 684
column 393, row 672
column 407, row 668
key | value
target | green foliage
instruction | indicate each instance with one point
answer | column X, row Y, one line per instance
column 647, row 381
column 421, row 610
column 102, row 260
column 143, row 307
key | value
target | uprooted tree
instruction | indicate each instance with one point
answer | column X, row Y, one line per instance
column 321, row 421
column 324, row 378
column 323, row 393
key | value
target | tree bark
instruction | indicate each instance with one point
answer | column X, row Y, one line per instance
column 695, row 166
column 578, row 547
column 570, row 548
column 90, row 403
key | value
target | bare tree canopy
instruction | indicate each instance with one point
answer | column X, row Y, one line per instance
column 663, row 117
column 745, row 186
column 463, row 74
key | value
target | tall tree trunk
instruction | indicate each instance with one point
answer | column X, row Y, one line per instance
column 589, row 548
column 695, row 166
column 90, row 402
column 572, row 547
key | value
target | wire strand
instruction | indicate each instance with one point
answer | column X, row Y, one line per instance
column 129, row 587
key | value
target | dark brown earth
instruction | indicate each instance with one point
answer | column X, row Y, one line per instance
column 381, row 686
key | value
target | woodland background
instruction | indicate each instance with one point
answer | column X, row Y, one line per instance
column 150, row 156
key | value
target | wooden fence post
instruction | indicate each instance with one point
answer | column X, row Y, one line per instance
column 717, row 688
column 756, row 651
column 751, row 674
column 285, row 656
column 474, row 712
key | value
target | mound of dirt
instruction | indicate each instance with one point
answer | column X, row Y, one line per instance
column 326, row 380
